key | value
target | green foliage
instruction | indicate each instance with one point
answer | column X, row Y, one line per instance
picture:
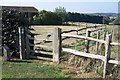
column 60, row 15
column 47, row 18
column 117, row 21
column 106, row 20
column 78, row 17
column 61, row 11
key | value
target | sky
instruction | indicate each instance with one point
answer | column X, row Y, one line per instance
column 81, row 6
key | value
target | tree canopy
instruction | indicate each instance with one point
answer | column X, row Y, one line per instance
column 61, row 11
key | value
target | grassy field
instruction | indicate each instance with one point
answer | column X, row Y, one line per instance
column 31, row 69
column 41, row 69
column 45, row 69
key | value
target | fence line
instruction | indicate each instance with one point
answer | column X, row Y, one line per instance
column 108, row 43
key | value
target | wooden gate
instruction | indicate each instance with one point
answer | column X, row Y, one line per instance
column 39, row 50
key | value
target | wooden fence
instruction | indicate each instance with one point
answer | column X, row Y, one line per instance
column 56, row 43
column 108, row 43
column 56, row 48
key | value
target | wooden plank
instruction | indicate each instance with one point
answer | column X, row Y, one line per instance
column 42, row 46
column 107, row 53
column 41, row 58
column 20, row 48
column 38, row 39
column 83, row 54
column 83, row 37
column 56, row 44
column 42, row 52
column 114, row 62
column 23, row 43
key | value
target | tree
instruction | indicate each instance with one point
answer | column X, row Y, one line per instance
column 61, row 11
column 47, row 18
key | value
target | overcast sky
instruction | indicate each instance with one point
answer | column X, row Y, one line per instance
column 82, row 6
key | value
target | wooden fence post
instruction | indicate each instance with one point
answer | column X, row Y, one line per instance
column 76, row 39
column 104, row 35
column 87, row 41
column 107, row 53
column 56, row 44
column 97, row 43
column 27, row 45
column 21, row 43
column 86, row 26
column 77, row 32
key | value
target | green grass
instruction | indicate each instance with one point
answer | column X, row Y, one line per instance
column 31, row 69
column 42, row 69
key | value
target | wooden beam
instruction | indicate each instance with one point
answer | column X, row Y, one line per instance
column 115, row 44
column 41, row 58
column 83, row 37
column 75, row 52
column 42, row 46
column 114, row 62
column 56, row 44
column 42, row 52
column 107, row 53
column 38, row 39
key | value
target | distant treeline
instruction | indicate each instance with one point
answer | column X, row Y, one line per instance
column 77, row 17
column 60, row 16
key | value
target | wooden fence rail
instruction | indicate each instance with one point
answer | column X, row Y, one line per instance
column 84, row 29
column 83, row 37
